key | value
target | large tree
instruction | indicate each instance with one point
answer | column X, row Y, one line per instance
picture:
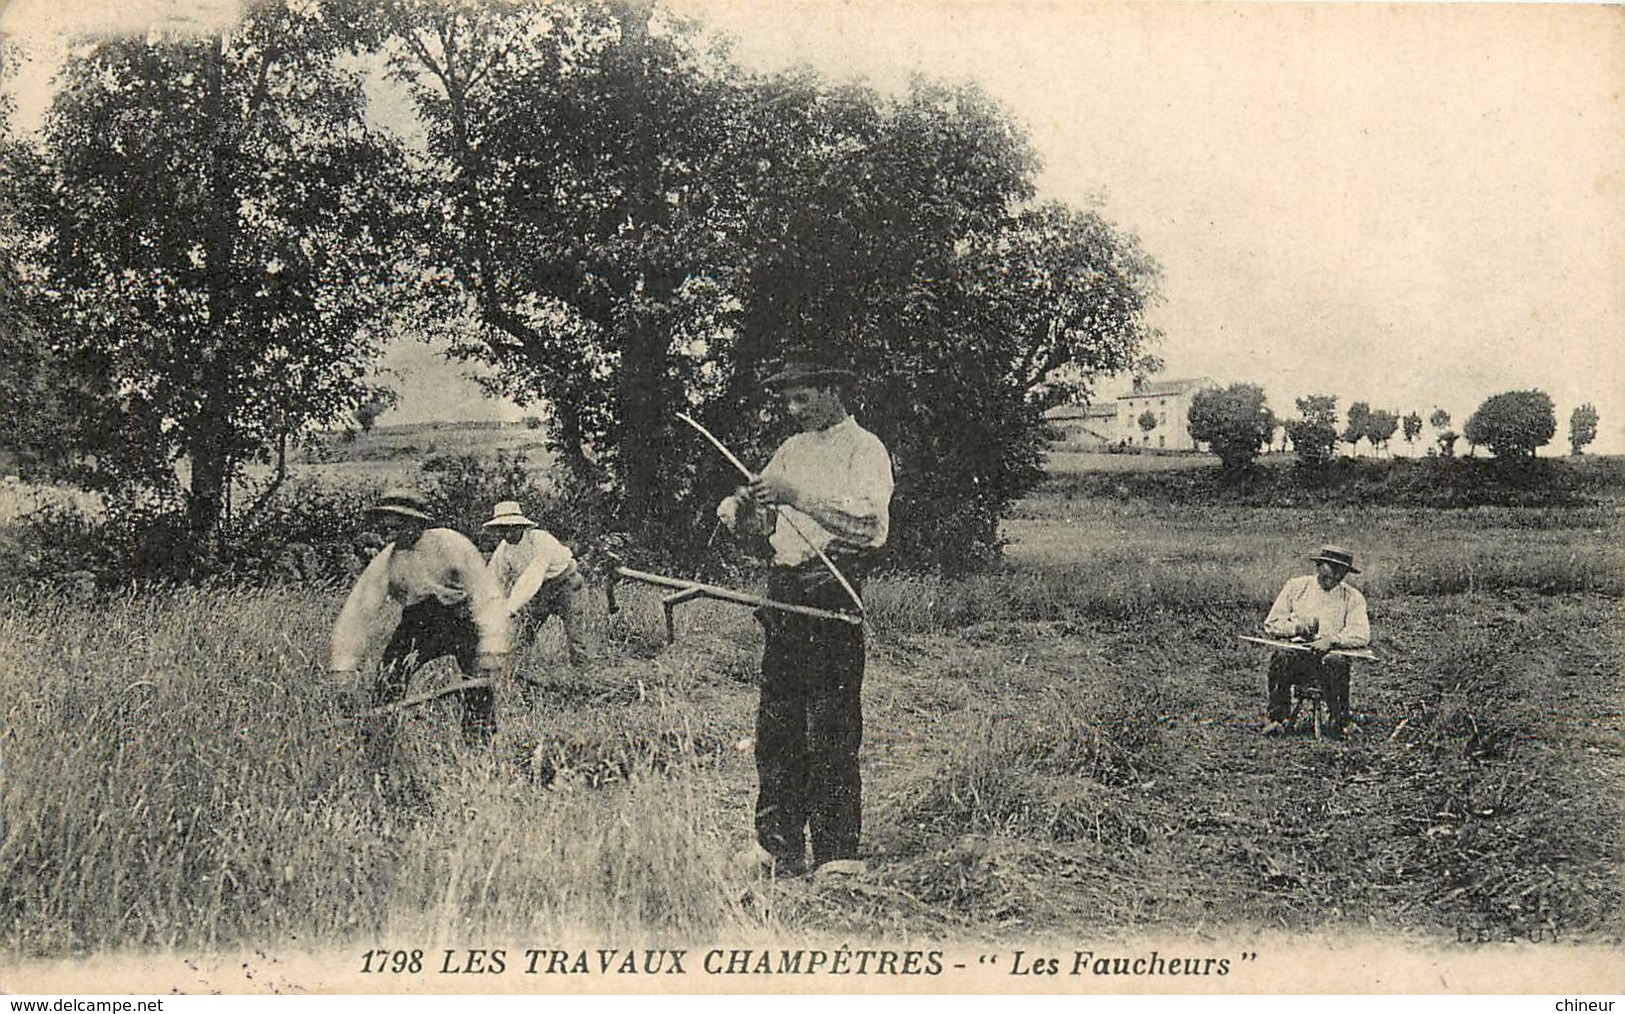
column 1359, row 427
column 55, row 403
column 216, row 240
column 1314, row 432
column 635, row 227
column 1513, row 424
column 1380, row 425
column 583, row 189
column 1439, row 419
column 1413, row 427
column 1582, row 427
column 1235, row 422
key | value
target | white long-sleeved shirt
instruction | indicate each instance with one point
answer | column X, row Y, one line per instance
column 844, row 476
column 1339, row 613
column 442, row 564
column 521, row 568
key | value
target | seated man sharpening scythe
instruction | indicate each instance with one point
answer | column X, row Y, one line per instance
column 1328, row 616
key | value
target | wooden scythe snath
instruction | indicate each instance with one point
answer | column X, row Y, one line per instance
column 684, row 590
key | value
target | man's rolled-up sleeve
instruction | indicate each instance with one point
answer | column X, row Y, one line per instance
column 487, row 606
column 1356, row 632
column 359, row 617
column 1279, row 622
column 858, row 515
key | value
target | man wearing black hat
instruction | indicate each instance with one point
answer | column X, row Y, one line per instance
column 1325, row 613
column 828, row 488
column 449, row 606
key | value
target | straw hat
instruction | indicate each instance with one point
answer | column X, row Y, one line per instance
column 508, row 515
column 1338, row 555
column 808, row 369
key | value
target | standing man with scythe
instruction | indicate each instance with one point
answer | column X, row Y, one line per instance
column 823, row 502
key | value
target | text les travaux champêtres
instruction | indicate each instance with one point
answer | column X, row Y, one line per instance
column 781, row 961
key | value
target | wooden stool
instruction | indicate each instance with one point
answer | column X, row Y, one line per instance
column 1314, row 695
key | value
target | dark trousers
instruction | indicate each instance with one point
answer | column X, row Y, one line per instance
column 558, row 596
column 809, row 726
column 427, row 631
column 1300, row 668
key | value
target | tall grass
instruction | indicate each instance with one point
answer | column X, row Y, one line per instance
column 173, row 776
column 175, row 772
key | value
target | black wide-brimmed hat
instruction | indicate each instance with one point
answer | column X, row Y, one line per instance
column 407, row 503
column 1338, row 555
column 808, row 369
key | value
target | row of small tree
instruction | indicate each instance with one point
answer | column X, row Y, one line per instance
column 1237, row 424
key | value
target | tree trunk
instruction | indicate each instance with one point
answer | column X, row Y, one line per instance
column 641, row 384
column 642, row 391
column 210, row 439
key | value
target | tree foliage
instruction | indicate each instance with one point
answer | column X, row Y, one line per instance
column 371, row 408
column 1314, row 432
column 1359, row 426
column 1513, row 424
column 630, row 226
column 1446, row 437
column 1582, row 427
column 1235, row 422
column 214, row 242
column 1380, row 426
column 1413, row 427
column 594, row 199
column 55, row 399
column 1148, row 420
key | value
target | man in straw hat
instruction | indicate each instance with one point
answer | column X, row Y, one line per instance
column 833, row 482
column 1327, row 613
column 449, row 606
column 538, row 576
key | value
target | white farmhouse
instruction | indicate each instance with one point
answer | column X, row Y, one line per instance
column 1169, row 401
column 1108, row 423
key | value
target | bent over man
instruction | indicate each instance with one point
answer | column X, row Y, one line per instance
column 538, row 577
column 1323, row 611
column 449, row 606
column 833, row 482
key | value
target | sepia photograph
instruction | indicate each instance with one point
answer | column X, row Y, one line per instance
column 825, row 497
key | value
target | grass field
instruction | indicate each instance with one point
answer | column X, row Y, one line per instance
column 391, row 453
column 1066, row 744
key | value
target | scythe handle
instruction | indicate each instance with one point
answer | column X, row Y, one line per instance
column 697, row 589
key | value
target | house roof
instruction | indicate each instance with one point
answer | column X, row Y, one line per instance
column 1105, row 410
column 1152, row 389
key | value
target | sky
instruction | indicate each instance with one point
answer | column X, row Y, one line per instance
column 1412, row 205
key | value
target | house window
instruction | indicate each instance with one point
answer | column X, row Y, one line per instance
column 1162, row 441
